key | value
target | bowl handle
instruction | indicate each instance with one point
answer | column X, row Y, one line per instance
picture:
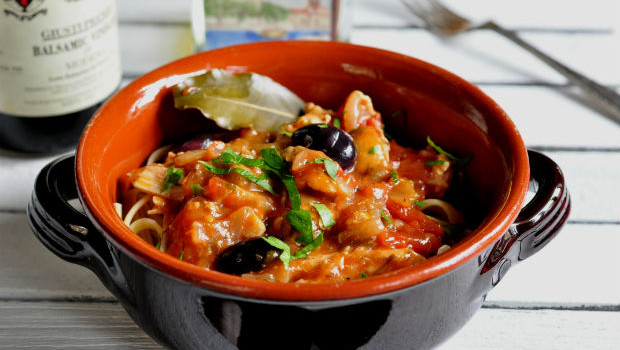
column 538, row 221
column 545, row 214
column 58, row 220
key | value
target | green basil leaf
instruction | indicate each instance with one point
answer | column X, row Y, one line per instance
column 331, row 167
column 212, row 168
column 301, row 221
column 285, row 255
column 261, row 180
column 303, row 252
column 173, row 175
column 326, row 215
column 273, row 159
column 231, row 157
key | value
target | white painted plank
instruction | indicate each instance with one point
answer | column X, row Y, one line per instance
column 107, row 326
column 580, row 266
column 593, row 181
column 550, row 116
column 480, row 56
column 17, row 174
column 29, row 271
column 48, row 325
column 548, row 14
column 538, row 330
column 484, row 56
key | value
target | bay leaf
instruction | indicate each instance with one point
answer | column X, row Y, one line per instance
column 235, row 101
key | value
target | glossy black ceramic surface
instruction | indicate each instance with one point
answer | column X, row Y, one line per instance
column 181, row 315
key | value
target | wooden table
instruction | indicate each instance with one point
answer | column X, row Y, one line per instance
column 565, row 297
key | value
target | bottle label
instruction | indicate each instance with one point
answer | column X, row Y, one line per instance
column 249, row 21
column 57, row 56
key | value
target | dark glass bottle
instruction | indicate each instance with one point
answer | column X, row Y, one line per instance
column 59, row 61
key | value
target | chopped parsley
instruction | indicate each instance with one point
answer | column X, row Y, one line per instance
column 272, row 163
column 326, row 215
column 419, row 204
column 394, row 176
column 287, row 133
column 363, row 275
column 459, row 161
column 374, row 149
column 196, row 189
column 301, row 221
column 322, row 126
column 331, row 167
column 285, row 255
column 337, row 123
column 434, row 162
column 173, row 175
column 386, row 218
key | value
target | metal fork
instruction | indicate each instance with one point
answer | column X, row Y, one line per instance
column 445, row 22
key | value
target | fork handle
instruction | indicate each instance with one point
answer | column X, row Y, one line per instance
column 600, row 93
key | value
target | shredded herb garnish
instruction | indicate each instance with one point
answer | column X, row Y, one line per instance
column 196, row 189
column 300, row 219
column 394, row 176
column 419, row 204
column 181, row 254
column 287, row 133
column 326, row 215
column 434, row 162
column 322, row 126
column 363, row 275
column 285, row 255
column 262, row 180
column 331, row 167
column 459, row 161
column 337, row 123
column 373, row 149
column 386, row 218
column 173, row 176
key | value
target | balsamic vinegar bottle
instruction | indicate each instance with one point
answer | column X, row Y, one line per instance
column 59, row 60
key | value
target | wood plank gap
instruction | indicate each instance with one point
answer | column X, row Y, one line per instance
column 12, row 211
column 593, row 222
column 550, row 306
column 588, row 31
column 580, row 149
column 71, row 299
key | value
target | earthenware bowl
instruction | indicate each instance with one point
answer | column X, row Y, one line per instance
column 187, row 307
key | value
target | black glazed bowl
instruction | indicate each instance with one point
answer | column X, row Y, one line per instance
column 183, row 306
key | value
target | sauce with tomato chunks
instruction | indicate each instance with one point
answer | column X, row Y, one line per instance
column 328, row 198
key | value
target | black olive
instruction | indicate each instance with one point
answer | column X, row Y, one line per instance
column 336, row 143
column 246, row 256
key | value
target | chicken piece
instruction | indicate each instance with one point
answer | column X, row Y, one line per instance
column 373, row 153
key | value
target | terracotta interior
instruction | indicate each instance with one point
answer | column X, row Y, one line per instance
column 453, row 112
